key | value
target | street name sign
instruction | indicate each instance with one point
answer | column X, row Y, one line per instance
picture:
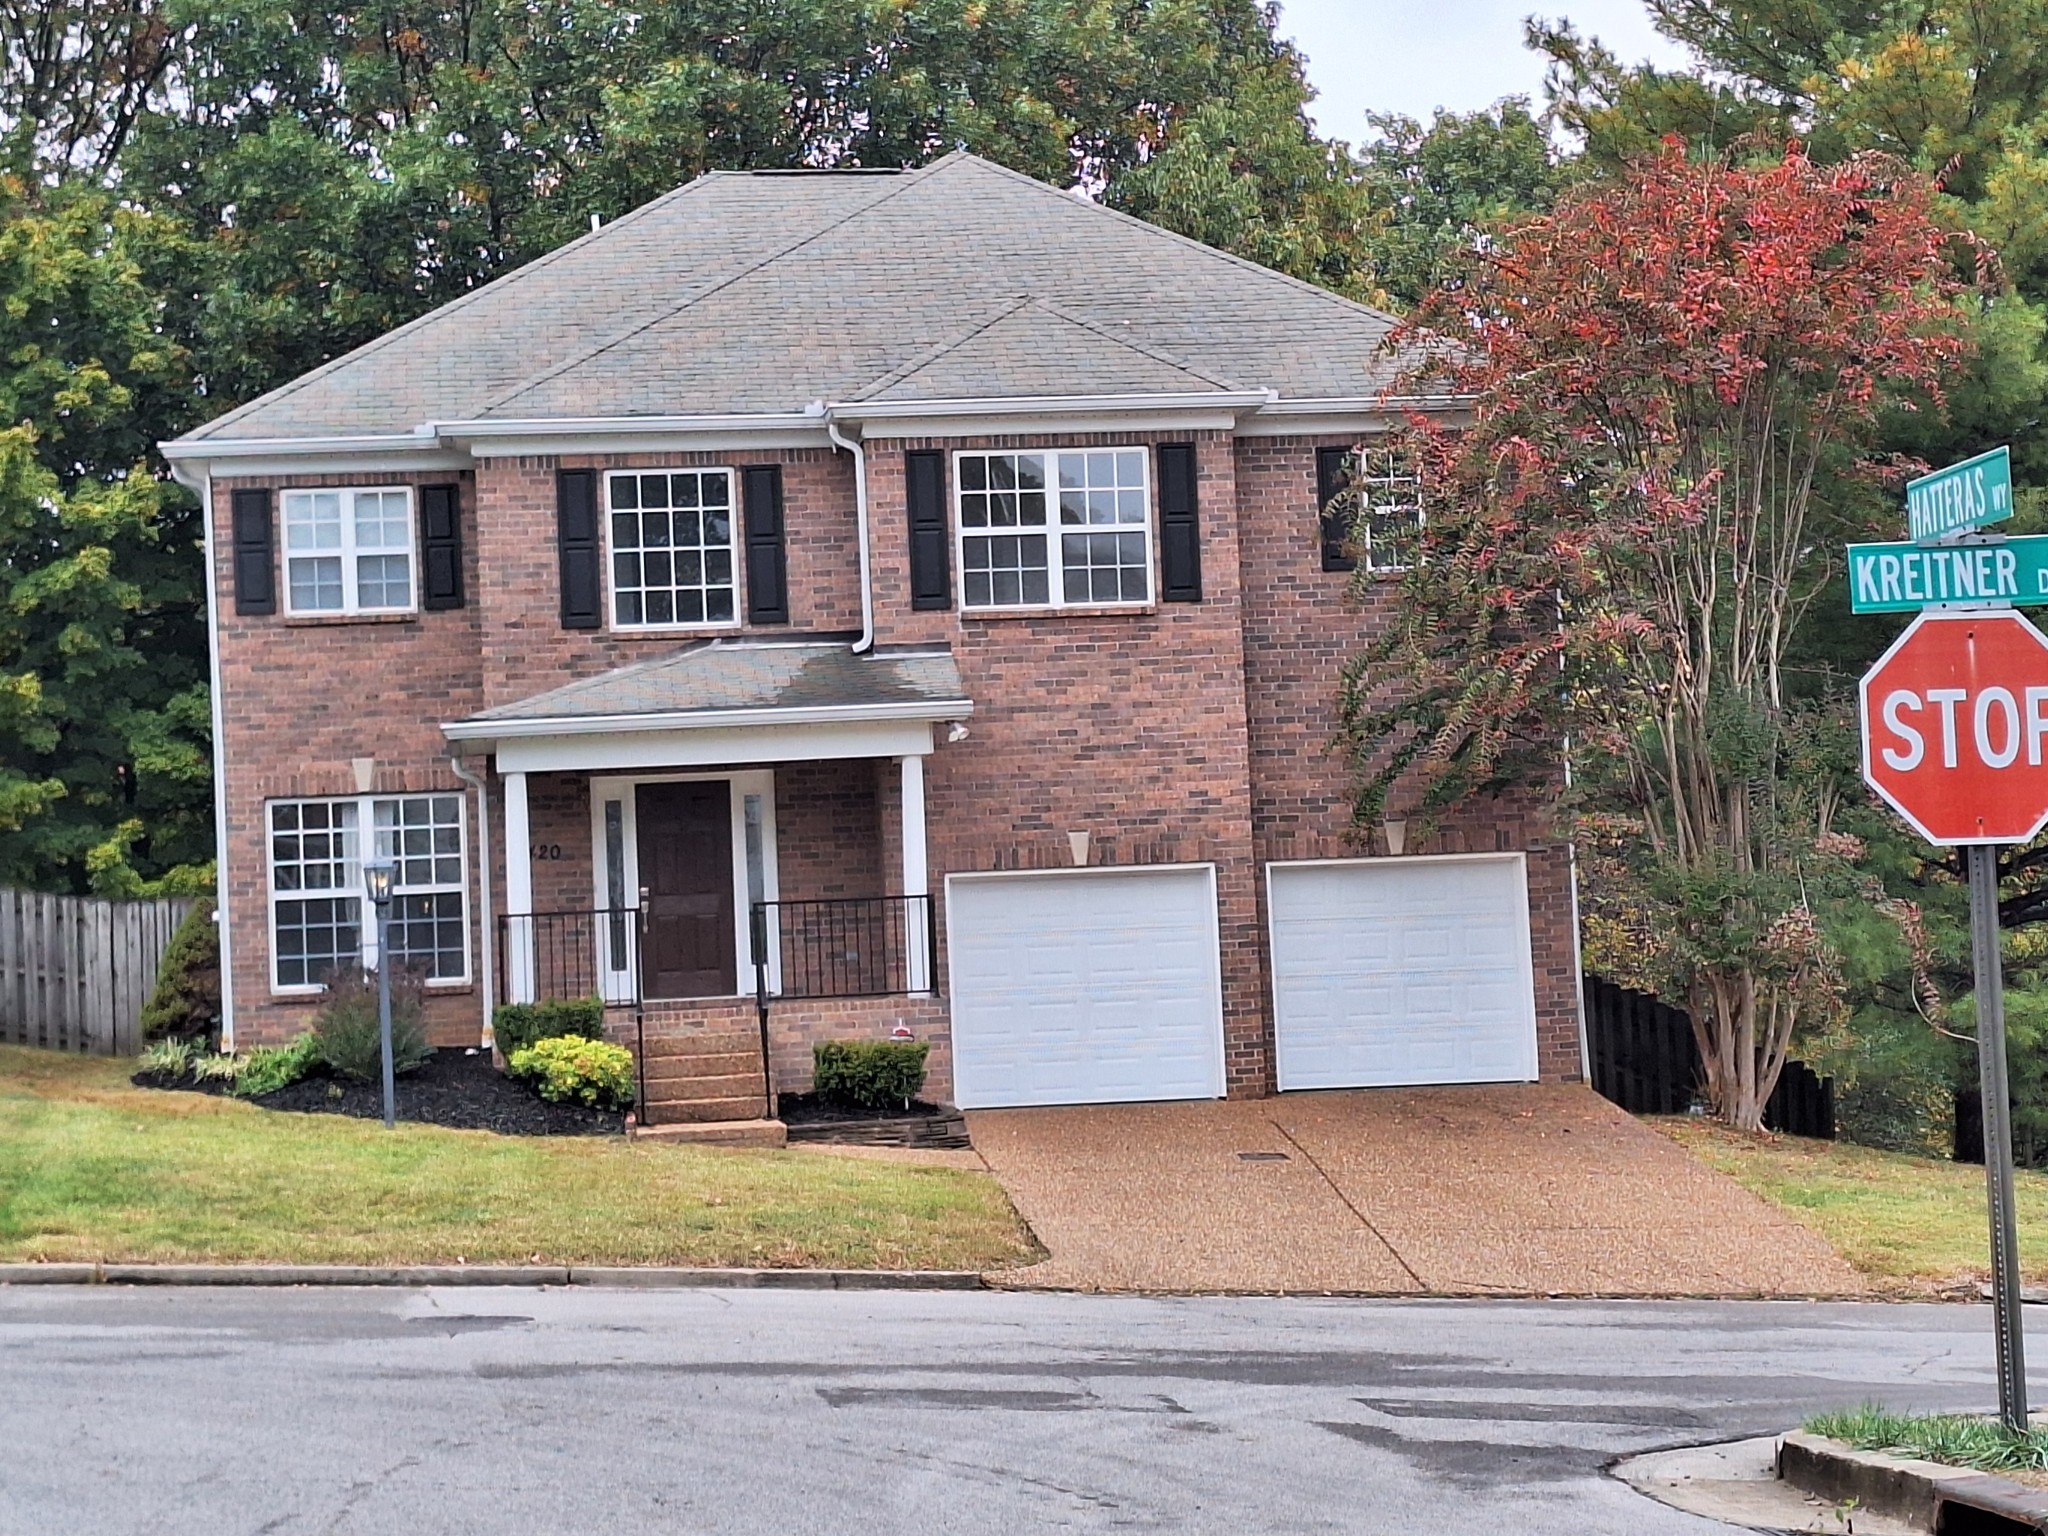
column 1955, row 728
column 1904, row 578
column 1963, row 496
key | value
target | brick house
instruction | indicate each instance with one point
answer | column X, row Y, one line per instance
column 859, row 601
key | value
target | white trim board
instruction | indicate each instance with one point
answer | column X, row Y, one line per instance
column 624, row 751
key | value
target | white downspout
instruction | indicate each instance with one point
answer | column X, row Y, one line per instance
column 203, row 488
column 860, row 504
column 483, row 855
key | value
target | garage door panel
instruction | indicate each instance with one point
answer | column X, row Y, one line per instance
column 1405, row 971
column 1074, row 988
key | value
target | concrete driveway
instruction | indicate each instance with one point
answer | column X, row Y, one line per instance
column 1514, row 1190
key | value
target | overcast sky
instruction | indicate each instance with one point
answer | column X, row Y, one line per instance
column 1414, row 56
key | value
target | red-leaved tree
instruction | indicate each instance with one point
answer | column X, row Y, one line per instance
column 1675, row 381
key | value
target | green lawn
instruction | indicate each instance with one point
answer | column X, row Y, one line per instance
column 1916, row 1221
column 93, row 1168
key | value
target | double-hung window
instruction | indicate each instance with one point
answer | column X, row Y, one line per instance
column 1054, row 530
column 1371, row 510
column 672, row 558
column 348, row 551
column 320, row 915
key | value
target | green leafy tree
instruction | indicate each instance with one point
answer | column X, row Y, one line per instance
column 104, row 764
column 1446, row 187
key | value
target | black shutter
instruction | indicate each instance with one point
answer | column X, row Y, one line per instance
column 767, row 561
column 931, row 576
column 255, row 562
column 576, row 540
column 1333, row 475
column 440, row 547
column 1180, row 535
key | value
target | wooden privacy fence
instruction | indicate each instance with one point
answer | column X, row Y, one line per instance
column 1645, row 1059
column 75, row 971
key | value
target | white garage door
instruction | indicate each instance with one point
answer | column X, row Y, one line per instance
column 1085, row 987
column 1399, row 971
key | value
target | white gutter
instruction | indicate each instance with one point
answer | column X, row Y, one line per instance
column 1053, row 405
column 203, row 487
column 704, row 719
column 483, row 864
column 866, row 641
column 201, row 449
column 616, row 426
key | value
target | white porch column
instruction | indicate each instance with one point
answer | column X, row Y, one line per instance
column 916, row 879
column 518, row 893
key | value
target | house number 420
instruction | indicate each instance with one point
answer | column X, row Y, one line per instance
column 547, row 850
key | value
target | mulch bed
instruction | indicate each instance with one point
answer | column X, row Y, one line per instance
column 458, row 1089
column 937, row 1126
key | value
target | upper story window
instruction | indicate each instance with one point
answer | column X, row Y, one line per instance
column 1054, row 530
column 319, row 911
column 672, row 557
column 348, row 551
column 1371, row 506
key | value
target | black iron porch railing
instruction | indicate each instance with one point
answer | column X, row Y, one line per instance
column 852, row 946
column 571, row 954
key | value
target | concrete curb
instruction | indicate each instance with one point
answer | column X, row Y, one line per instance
column 643, row 1277
column 1919, row 1491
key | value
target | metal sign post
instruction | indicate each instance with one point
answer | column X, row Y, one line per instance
column 1997, row 1118
column 1955, row 739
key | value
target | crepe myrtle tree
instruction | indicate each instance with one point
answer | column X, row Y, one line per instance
column 1675, row 381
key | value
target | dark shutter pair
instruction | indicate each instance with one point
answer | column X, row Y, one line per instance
column 1180, row 540
column 255, row 549
column 576, row 537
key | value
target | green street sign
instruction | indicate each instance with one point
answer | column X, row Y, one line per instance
column 1963, row 496
column 1904, row 578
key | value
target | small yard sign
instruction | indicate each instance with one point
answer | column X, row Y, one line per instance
column 1966, row 495
column 1904, row 578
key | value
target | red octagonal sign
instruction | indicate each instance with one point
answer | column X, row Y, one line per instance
column 1955, row 727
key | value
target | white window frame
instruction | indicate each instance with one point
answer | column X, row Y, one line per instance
column 611, row 586
column 348, row 552
column 1383, row 467
column 366, row 818
column 1054, row 529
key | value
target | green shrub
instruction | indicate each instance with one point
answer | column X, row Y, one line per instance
column 208, row 1067
column 515, row 1026
column 186, row 1002
column 869, row 1074
column 169, row 1057
column 268, row 1068
column 345, row 1028
column 568, row 1069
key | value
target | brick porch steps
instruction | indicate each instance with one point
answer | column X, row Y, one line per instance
column 718, row 1133
column 699, row 1077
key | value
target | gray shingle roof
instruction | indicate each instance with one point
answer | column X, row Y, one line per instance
column 763, row 292
column 718, row 676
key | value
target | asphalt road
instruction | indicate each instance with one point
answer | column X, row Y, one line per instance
column 571, row 1411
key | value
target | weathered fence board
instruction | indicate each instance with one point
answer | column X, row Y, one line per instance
column 75, row 971
column 1645, row 1059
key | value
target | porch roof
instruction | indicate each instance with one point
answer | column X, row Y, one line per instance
column 724, row 684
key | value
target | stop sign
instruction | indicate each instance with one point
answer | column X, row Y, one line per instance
column 1955, row 727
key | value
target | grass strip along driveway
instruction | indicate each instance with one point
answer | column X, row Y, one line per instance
column 92, row 1168
column 1916, row 1222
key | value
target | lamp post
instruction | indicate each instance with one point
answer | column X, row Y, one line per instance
column 377, row 876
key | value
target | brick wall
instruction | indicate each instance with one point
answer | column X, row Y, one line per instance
column 793, row 1028
column 1302, row 624
column 1179, row 733
column 304, row 698
column 526, row 650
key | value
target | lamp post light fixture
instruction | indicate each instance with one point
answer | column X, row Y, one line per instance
column 377, row 878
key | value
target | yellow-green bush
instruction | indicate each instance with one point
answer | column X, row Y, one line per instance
column 568, row 1069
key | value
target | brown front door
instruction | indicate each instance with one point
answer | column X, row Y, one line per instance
column 685, row 836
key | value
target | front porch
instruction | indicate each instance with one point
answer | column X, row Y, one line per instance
column 744, row 877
